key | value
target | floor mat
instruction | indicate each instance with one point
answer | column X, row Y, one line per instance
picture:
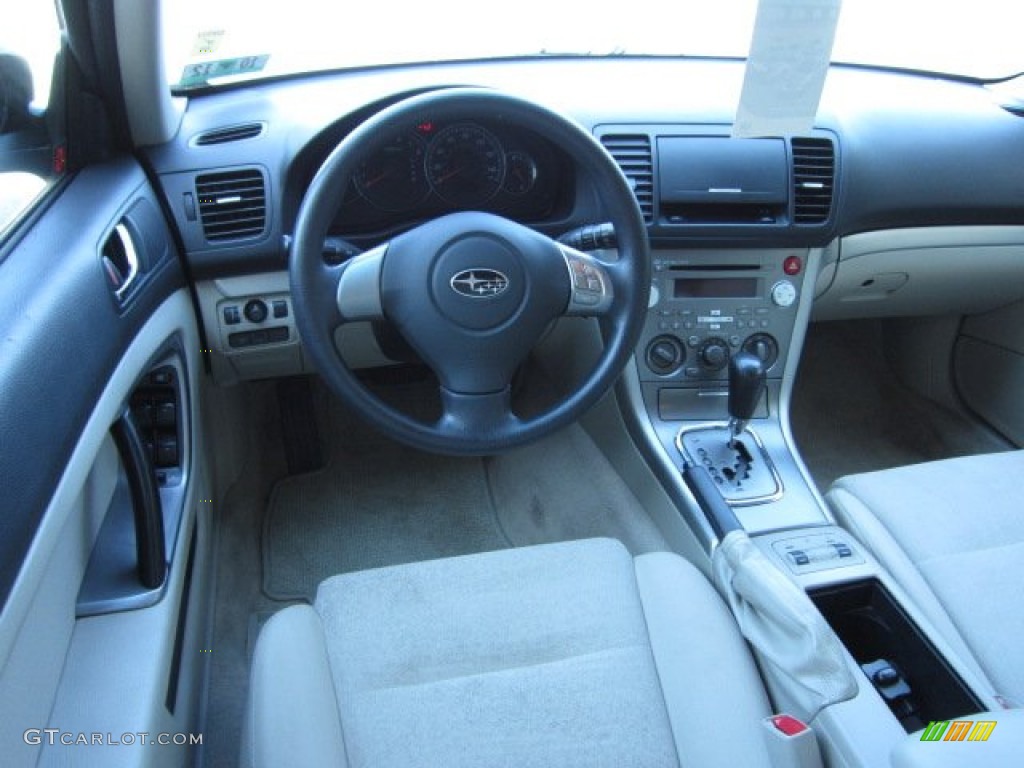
column 383, row 505
column 851, row 414
column 563, row 488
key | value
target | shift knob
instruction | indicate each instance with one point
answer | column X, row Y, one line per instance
column 747, row 377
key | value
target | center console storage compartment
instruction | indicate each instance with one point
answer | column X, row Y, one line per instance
column 914, row 680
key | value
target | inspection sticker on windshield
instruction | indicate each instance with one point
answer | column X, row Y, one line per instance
column 203, row 72
column 207, row 42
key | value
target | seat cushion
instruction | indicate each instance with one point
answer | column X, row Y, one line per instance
column 952, row 533
column 568, row 654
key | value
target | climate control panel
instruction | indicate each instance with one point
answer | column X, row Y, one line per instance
column 708, row 305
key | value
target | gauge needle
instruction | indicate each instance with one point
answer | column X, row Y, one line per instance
column 442, row 179
column 376, row 179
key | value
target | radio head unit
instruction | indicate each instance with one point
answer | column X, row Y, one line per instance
column 707, row 305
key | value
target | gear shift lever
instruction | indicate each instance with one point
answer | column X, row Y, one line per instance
column 747, row 377
column 736, row 464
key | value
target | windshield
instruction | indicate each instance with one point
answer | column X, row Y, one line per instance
column 208, row 42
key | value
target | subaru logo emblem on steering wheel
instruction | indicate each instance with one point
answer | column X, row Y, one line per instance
column 479, row 283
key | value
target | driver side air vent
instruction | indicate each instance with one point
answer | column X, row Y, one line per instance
column 232, row 204
column 632, row 152
column 228, row 134
column 814, row 170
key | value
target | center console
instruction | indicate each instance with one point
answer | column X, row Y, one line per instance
column 714, row 300
column 706, row 307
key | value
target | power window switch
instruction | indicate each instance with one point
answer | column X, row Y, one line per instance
column 166, row 451
column 166, row 414
column 143, row 413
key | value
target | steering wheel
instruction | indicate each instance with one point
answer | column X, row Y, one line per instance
column 470, row 292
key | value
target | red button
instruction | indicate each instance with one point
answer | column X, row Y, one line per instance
column 788, row 724
column 792, row 265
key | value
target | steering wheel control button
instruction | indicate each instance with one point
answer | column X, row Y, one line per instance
column 255, row 310
column 591, row 290
column 783, row 293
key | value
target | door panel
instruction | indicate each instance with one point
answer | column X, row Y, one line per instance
column 75, row 344
column 63, row 334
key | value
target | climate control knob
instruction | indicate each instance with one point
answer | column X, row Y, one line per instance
column 763, row 346
column 665, row 355
column 714, row 354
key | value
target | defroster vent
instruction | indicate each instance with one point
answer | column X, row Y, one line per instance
column 232, row 204
column 814, row 173
column 228, row 134
column 632, row 152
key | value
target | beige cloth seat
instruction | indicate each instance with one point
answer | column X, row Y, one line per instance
column 571, row 654
column 952, row 534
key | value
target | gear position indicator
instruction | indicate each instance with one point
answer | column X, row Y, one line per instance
column 740, row 467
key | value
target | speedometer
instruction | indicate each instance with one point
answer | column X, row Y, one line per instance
column 392, row 178
column 466, row 165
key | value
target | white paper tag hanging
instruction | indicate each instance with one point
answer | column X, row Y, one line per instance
column 786, row 68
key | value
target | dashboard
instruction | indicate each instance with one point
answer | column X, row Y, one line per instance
column 905, row 190
column 910, row 151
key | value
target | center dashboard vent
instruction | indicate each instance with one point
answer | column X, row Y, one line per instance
column 228, row 134
column 632, row 152
column 814, row 173
column 232, row 204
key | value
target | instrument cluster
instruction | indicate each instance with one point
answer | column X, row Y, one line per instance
column 435, row 169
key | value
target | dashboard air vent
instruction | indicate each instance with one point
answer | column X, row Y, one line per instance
column 232, row 204
column 633, row 154
column 814, row 172
column 228, row 134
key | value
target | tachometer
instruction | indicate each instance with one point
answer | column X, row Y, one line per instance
column 466, row 165
column 393, row 179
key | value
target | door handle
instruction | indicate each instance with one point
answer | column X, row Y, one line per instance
column 148, row 514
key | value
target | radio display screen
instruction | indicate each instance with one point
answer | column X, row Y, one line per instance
column 715, row 288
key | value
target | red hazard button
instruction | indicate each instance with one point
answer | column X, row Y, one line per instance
column 792, row 265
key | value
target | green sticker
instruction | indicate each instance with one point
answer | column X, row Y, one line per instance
column 203, row 72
